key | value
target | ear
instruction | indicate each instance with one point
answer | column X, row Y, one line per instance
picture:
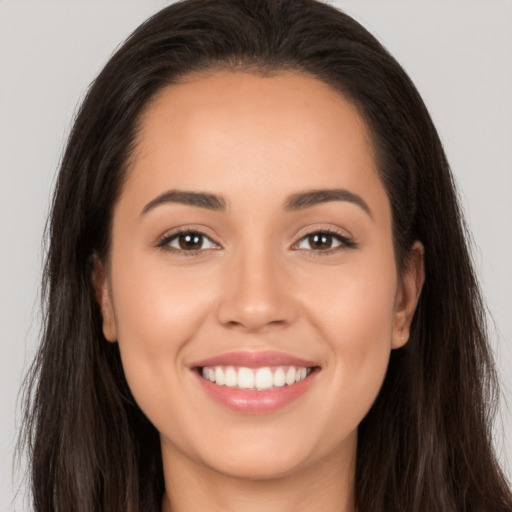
column 103, row 296
column 408, row 294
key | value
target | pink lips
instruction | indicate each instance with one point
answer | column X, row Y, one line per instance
column 255, row 360
column 255, row 401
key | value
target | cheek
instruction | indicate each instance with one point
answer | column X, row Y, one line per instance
column 155, row 302
column 355, row 315
column 158, row 311
column 355, row 304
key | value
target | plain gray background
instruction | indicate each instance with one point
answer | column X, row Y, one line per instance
column 458, row 52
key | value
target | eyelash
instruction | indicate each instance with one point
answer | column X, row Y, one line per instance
column 345, row 242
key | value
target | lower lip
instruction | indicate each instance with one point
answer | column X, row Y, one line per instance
column 254, row 401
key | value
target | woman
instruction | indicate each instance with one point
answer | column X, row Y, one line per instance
column 258, row 288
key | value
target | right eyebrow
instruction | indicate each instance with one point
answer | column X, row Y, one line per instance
column 199, row 199
column 303, row 200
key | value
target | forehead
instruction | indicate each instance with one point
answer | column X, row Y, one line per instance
column 237, row 132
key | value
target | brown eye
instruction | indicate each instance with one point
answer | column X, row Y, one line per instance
column 188, row 241
column 324, row 241
column 319, row 241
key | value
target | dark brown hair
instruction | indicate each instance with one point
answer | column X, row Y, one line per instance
column 425, row 445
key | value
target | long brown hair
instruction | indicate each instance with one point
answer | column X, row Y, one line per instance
column 425, row 445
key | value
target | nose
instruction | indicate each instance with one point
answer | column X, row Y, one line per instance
column 257, row 294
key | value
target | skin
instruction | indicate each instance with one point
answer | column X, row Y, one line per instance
column 256, row 284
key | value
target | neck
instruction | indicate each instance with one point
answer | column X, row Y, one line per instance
column 327, row 485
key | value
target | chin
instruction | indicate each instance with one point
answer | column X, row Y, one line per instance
column 260, row 466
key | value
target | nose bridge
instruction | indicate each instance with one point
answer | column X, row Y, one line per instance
column 256, row 292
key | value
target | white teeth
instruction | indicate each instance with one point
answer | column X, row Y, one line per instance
column 231, row 377
column 219, row 376
column 264, row 378
column 254, row 378
column 290, row 376
column 245, row 378
column 279, row 378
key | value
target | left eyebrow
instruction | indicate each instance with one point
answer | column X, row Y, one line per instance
column 311, row 198
column 199, row 199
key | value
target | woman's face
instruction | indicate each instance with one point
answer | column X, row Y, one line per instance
column 252, row 243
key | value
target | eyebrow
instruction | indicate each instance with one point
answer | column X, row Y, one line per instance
column 295, row 202
column 303, row 200
column 199, row 199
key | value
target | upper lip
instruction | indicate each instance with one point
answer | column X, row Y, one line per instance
column 250, row 359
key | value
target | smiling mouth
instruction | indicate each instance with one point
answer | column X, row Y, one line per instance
column 255, row 379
